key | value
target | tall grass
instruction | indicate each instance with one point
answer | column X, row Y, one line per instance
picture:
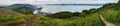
column 89, row 20
column 6, row 19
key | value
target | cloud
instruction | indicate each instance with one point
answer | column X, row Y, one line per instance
column 38, row 2
column 26, row 1
column 88, row 1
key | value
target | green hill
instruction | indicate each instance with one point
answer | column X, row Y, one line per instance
column 111, row 12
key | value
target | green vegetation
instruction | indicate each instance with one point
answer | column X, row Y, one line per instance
column 5, row 19
column 64, row 15
column 111, row 13
column 23, row 11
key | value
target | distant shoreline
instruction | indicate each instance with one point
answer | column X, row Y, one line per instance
column 74, row 4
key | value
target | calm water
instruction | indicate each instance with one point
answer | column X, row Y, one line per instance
column 71, row 8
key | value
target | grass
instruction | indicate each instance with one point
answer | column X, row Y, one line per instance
column 89, row 20
column 93, row 19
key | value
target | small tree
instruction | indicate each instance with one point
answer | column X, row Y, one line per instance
column 62, row 15
column 92, row 11
column 24, row 11
column 76, row 14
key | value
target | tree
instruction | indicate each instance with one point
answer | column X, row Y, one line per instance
column 76, row 14
column 92, row 11
column 24, row 11
column 85, row 11
column 62, row 15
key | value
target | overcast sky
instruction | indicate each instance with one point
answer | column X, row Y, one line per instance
column 38, row 2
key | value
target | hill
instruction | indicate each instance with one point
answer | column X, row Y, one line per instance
column 10, row 12
column 23, row 6
column 111, row 13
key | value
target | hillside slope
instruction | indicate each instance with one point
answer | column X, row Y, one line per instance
column 111, row 13
column 10, row 12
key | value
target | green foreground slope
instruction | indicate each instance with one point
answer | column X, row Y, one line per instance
column 111, row 13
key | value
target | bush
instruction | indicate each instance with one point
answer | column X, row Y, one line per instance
column 27, row 12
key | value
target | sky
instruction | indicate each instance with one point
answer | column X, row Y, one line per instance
column 42, row 2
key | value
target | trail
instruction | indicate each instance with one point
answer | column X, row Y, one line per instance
column 29, row 22
column 105, row 22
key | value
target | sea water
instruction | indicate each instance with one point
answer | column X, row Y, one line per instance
column 71, row 8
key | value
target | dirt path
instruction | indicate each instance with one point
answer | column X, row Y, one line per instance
column 30, row 21
column 105, row 21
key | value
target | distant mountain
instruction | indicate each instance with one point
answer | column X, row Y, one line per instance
column 78, row 4
column 34, row 8
column 23, row 6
